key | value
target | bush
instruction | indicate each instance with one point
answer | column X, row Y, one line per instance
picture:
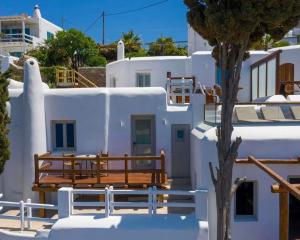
column 4, row 120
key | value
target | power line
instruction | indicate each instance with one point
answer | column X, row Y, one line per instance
column 102, row 15
column 137, row 9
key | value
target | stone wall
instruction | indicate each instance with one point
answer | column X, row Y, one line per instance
column 94, row 74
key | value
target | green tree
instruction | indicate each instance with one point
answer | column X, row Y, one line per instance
column 133, row 43
column 4, row 120
column 267, row 42
column 69, row 48
column 232, row 27
column 165, row 46
column 133, row 47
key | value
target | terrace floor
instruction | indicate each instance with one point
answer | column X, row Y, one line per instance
column 108, row 179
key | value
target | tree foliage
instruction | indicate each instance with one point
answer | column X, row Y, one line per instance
column 4, row 120
column 165, row 46
column 133, row 47
column 267, row 42
column 231, row 28
column 69, row 48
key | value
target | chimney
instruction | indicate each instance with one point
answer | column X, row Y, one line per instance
column 37, row 12
column 121, row 50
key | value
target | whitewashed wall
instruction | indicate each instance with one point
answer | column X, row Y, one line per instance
column 265, row 142
column 196, row 42
column 46, row 26
column 99, row 112
column 125, row 70
column 128, row 227
column 291, row 54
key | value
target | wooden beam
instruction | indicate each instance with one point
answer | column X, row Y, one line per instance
column 42, row 199
column 284, row 183
column 269, row 161
column 266, row 59
column 284, row 216
column 276, row 188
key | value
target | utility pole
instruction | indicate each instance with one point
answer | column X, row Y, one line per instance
column 103, row 28
column 63, row 23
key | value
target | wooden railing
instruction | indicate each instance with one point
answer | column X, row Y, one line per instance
column 72, row 78
column 44, row 168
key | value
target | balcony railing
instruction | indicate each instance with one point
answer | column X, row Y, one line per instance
column 262, row 113
column 179, row 91
column 19, row 37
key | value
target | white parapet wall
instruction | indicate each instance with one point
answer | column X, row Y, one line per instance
column 130, row 227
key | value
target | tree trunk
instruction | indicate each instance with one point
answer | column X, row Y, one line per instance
column 230, row 60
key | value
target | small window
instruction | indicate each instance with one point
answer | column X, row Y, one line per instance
column 245, row 201
column 180, row 135
column 49, row 35
column 63, row 135
column 143, row 79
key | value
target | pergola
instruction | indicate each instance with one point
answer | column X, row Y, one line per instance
column 283, row 187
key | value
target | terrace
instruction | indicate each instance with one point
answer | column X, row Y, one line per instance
column 18, row 31
column 95, row 172
column 287, row 112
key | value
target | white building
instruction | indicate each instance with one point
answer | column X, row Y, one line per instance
column 293, row 36
column 161, row 103
column 157, row 71
column 22, row 33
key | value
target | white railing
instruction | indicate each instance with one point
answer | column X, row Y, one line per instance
column 25, row 209
column 179, row 91
column 19, row 37
column 66, row 201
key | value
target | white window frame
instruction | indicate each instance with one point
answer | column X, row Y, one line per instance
column 64, row 123
column 144, row 73
column 254, row 216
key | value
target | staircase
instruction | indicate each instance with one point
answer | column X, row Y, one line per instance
column 180, row 184
column 66, row 78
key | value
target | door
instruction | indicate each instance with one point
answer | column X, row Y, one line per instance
column 143, row 140
column 286, row 72
column 180, row 138
column 294, row 213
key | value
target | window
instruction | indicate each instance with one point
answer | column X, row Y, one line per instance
column 16, row 54
column 49, row 35
column 143, row 79
column 264, row 77
column 180, row 135
column 63, row 135
column 245, row 200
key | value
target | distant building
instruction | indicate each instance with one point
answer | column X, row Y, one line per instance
column 22, row 33
column 293, row 36
column 196, row 42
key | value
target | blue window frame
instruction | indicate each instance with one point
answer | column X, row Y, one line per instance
column 63, row 135
column 50, row 35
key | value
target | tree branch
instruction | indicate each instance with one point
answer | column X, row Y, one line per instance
column 236, row 184
column 212, row 174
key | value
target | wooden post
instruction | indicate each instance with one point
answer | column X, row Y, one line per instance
column 73, row 171
column 42, row 199
column 162, row 166
column 284, row 215
column 126, row 168
column 36, row 168
column 98, row 168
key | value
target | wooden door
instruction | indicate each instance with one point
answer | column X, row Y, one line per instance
column 286, row 74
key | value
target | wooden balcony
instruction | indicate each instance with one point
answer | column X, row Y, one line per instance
column 96, row 171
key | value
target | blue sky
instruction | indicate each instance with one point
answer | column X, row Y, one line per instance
column 167, row 19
